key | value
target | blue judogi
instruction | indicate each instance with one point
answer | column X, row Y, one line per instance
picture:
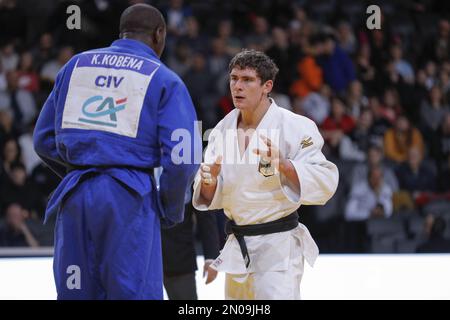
column 113, row 115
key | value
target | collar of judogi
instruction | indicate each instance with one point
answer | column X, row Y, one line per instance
column 135, row 45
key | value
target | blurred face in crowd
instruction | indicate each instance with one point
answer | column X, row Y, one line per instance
column 435, row 95
column 446, row 124
column 430, row 69
column 46, row 41
column 6, row 120
column 355, row 89
column 10, row 151
column 376, row 178
column 328, row 46
column 198, row 62
column 246, row 88
column 18, row 176
column 26, row 61
column 280, row 37
column 13, row 80
column 396, row 52
column 402, row 124
column 390, row 98
column 375, row 155
column 225, row 28
column 365, row 119
column 15, row 215
column 421, row 77
column 337, row 108
column 444, row 78
column 260, row 25
column 414, row 158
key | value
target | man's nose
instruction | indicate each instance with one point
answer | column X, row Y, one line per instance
column 237, row 85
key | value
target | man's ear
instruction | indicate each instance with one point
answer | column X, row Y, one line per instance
column 158, row 35
column 268, row 86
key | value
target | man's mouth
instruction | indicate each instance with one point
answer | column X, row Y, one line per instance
column 239, row 98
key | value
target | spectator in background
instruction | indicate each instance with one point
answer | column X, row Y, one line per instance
column 285, row 56
column 176, row 15
column 7, row 128
column 316, row 105
column 374, row 159
column 10, row 153
column 365, row 72
column 413, row 175
column 200, row 82
column 225, row 32
column 444, row 175
column 391, row 107
column 438, row 47
column 9, row 58
column 401, row 138
column 21, row 102
column 380, row 123
column 29, row 157
column 196, row 39
column 259, row 38
column 354, row 146
column 15, row 232
column 436, row 242
column 44, row 51
column 444, row 84
column 355, row 99
column 433, row 111
column 17, row 188
column 50, row 69
column 180, row 60
column 346, row 38
column 310, row 78
column 442, row 148
column 402, row 66
column 337, row 68
column 369, row 199
column 28, row 77
column 336, row 125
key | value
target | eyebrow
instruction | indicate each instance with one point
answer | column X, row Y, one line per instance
column 244, row 76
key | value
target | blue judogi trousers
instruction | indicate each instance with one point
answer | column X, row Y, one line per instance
column 107, row 243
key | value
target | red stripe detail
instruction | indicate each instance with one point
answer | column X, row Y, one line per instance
column 121, row 101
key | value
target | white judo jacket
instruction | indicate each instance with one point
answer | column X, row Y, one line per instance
column 247, row 197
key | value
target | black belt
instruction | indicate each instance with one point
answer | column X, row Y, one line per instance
column 284, row 224
column 72, row 167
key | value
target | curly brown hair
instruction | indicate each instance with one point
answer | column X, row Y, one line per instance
column 265, row 68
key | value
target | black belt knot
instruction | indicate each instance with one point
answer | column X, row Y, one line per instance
column 284, row 224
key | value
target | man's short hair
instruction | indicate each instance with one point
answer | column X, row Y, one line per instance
column 265, row 68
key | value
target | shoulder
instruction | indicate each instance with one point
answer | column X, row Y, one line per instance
column 294, row 122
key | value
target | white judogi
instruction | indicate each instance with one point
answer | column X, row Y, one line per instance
column 248, row 197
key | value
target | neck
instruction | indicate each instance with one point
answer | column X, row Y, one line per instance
column 251, row 118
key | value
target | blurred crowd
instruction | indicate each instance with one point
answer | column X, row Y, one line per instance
column 380, row 98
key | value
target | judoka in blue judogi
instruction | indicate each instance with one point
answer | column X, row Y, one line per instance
column 109, row 120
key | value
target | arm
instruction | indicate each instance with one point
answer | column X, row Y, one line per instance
column 208, row 196
column 30, row 239
column 180, row 142
column 44, row 133
column 317, row 177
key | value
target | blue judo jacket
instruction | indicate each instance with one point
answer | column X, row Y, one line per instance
column 119, row 110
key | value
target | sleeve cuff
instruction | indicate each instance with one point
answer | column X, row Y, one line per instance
column 216, row 202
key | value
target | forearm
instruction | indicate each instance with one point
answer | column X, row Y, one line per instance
column 207, row 192
column 30, row 239
column 287, row 170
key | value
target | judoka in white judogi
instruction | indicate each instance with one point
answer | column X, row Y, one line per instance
column 248, row 197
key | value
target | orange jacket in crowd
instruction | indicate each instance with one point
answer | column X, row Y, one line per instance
column 310, row 77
